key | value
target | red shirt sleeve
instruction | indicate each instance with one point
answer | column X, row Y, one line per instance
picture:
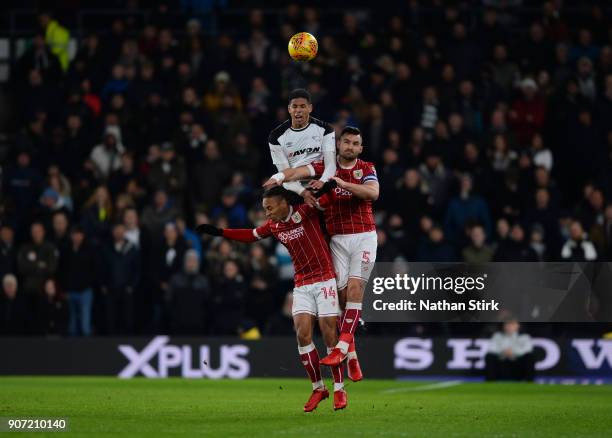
column 248, row 234
column 263, row 231
column 369, row 174
column 318, row 167
column 240, row 234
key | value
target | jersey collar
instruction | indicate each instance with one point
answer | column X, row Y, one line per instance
column 289, row 215
column 301, row 129
column 343, row 167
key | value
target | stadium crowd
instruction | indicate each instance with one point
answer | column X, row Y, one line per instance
column 489, row 123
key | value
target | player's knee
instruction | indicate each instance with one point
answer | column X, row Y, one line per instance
column 304, row 336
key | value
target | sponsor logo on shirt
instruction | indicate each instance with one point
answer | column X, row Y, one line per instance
column 286, row 236
column 304, row 151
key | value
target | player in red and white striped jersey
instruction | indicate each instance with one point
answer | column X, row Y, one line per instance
column 350, row 221
column 315, row 293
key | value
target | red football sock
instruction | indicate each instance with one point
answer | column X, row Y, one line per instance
column 352, row 354
column 310, row 359
column 350, row 318
column 337, row 374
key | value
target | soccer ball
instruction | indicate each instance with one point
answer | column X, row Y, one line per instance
column 303, row 46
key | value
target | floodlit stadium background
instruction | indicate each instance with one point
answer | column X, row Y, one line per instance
column 489, row 123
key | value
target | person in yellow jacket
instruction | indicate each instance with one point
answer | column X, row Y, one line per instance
column 57, row 37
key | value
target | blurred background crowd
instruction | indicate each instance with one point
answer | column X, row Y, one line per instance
column 490, row 124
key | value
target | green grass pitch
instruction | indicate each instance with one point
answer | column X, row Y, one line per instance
column 273, row 407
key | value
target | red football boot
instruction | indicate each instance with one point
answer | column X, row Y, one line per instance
column 317, row 396
column 354, row 370
column 340, row 400
column 334, row 358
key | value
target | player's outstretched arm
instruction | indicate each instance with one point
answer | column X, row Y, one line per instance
column 368, row 190
column 288, row 175
column 241, row 235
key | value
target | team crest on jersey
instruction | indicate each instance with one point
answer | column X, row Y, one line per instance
column 358, row 174
column 297, row 218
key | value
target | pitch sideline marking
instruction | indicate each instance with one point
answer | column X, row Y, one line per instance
column 430, row 387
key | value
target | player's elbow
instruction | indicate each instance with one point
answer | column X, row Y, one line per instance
column 374, row 196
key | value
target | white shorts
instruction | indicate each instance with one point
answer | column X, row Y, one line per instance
column 353, row 255
column 318, row 299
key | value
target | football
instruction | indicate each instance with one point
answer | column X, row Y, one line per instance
column 303, row 46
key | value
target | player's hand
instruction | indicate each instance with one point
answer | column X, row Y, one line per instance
column 315, row 184
column 209, row 229
column 309, row 198
column 341, row 183
column 326, row 188
column 271, row 183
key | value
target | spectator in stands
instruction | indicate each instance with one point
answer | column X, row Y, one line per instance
column 515, row 248
column 106, row 156
column 60, row 230
column 578, row 248
column 97, row 215
column 510, row 354
column 155, row 216
column 168, row 174
column 8, row 252
column 23, row 184
column 53, row 312
column 13, row 315
column 463, row 209
column 528, row 112
column 434, row 248
column 478, row 251
column 78, row 277
column 281, row 323
column 57, row 37
column 36, row 262
column 119, row 280
column 188, row 295
column 228, row 300
column 231, row 209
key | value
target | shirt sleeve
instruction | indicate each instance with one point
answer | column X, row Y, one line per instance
column 262, row 231
column 316, row 168
column 369, row 174
column 281, row 162
column 278, row 157
column 329, row 158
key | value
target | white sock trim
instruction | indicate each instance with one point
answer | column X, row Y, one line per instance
column 318, row 385
column 307, row 348
column 353, row 305
column 351, row 355
column 343, row 346
column 338, row 386
column 329, row 349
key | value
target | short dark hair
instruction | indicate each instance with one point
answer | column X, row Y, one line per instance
column 278, row 191
column 350, row 130
column 300, row 93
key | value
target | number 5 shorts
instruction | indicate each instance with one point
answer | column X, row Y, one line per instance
column 318, row 299
column 353, row 256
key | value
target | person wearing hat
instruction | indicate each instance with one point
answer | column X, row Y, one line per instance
column 107, row 155
column 528, row 112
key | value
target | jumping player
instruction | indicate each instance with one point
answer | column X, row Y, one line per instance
column 315, row 292
column 350, row 222
column 300, row 140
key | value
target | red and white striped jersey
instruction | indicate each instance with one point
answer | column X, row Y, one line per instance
column 301, row 233
column 345, row 213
